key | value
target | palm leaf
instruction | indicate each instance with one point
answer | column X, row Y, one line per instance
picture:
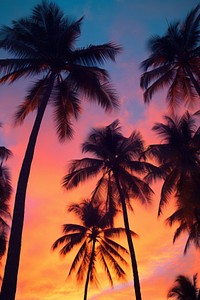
column 67, row 107
column 168, row 188
column 96, row 54
column 71, row 240
column 116, row 267
column 154, row 74
column 32, row 100
column 5, row 153
column 80, row 170
column 73, row 227
column 117, row 247
column 83, row 266
column 112, row 232
column 91, row 83
column 79, row 256
column 106, row 268
column 138, row 188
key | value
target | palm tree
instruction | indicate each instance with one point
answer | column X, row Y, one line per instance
column 116, row 158
column 179, row 158
column 43, row 46
column 192, row 229
column 184, row 289
column 5, row 193
column 94, row 235
column 174, row 62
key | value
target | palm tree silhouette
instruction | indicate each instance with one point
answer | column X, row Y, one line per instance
column 178, row 157
column 116, row 159
column 184, row 289
column 5, row 193
column 94, row 235
column 43, row 46
column 192, row 228
column 174, row 62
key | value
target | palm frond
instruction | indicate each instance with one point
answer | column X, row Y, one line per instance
column 92, row 55
column 113, row 262
column 154, row 74
column 158, row 84
column 159, row 152
column 114, row 251
column 5, row 186
column 112, row 232
column 73, row 227
column 130, row 148
column 155, row 173
column 92, row 84
column 81, row 273
column 70, row 241
column 67, row 108
column 106, row 193
column 5, row 153
column 80, row 170
column 93, row 274
column 168, row 188
column 79, row 256
column 32, row 100
column 177, row 216
column 136, row 187
column 183, row 288
column 191, row 28
column 181, row 229
column 17, row 74
column 119, row 248
column 106, row 268
column 193, row 236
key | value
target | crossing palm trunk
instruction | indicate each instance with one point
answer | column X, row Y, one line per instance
column 9, row 284
column 89, row 271
column 129, row 240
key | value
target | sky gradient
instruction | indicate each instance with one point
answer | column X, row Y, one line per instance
column 42, row 273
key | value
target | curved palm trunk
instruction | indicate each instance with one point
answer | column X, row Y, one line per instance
column 129, row 239
column 89, row 271
column 193, row 80
column 9, row 283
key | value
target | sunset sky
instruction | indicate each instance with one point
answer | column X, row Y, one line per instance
column 43, row 273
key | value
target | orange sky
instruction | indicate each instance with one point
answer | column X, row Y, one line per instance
column 43, row 273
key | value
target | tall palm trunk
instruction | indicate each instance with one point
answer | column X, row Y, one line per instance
column 129, row 240
column 9, row 283
column 89, row 271
column 193, row 80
